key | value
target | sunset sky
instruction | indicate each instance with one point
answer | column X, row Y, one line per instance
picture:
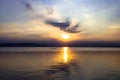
column 47, row 20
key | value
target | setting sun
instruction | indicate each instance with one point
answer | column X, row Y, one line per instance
column 65, row 36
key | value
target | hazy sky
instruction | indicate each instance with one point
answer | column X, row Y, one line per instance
column 40, row 20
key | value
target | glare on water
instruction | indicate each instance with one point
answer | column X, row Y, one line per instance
column 59, row 64
column 65, row 56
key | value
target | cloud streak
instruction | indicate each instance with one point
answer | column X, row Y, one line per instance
column 28, row 6
column 64, row 25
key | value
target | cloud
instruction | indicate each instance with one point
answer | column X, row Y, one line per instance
column 65, row 25
column 28, row 6
column 50, row 18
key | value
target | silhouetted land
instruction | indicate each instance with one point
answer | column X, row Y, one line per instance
column 59, row 44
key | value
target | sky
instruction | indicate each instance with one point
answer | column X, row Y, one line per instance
column 47, row 20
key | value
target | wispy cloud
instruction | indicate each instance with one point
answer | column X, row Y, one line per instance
column 65, row 25
column 28, row 6
column 49, row 19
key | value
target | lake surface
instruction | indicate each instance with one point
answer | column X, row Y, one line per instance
column 59, row 63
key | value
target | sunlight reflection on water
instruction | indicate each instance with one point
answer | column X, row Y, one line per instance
column 64, row 64
column 65, row 57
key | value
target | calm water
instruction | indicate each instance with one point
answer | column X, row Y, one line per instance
column 59, row 63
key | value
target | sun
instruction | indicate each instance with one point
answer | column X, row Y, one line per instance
column 65, row 36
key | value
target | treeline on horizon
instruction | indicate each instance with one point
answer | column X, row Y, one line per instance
column 54, row 44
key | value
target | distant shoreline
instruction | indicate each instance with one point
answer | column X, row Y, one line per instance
column 57, row 44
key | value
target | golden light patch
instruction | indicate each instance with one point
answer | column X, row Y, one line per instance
column 65, row 36
column 65, row 56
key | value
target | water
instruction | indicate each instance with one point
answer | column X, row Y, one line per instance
column 59, row 63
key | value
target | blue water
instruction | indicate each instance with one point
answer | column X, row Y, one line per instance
column 58, row 63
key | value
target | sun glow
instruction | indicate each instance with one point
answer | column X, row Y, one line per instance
column 65, row 36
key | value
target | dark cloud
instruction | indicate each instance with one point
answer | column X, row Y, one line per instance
column 28, row 6
column 50, row 11
column 73, row 29
column 61, row 25
column 65, row 25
